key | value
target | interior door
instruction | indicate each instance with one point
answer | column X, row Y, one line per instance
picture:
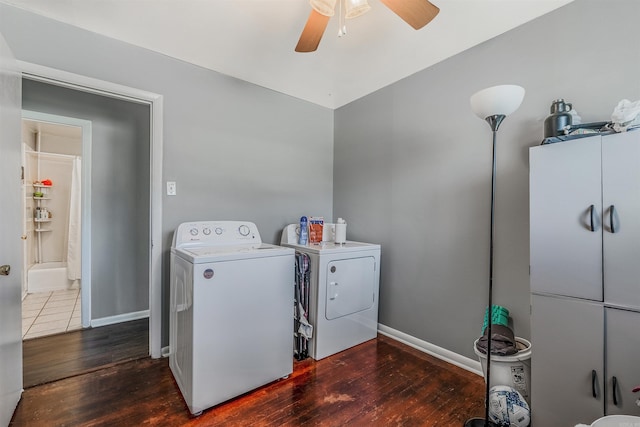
column 10, row 230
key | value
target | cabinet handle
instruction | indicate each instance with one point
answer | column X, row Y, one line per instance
column 594, row 381
column 591, row 212
column 611, row 213
column 615, row 391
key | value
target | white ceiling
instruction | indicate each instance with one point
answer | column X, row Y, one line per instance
column 254, row 40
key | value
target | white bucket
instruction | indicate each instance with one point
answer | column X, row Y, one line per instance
column 617, row 421
column 513, row 371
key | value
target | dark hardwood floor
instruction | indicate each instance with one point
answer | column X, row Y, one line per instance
column 55, row 357
column 379, row 383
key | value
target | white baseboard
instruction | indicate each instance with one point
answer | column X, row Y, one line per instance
column 104, row 321
column 432, row 349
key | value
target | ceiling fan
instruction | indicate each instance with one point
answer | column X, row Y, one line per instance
column 416, row 13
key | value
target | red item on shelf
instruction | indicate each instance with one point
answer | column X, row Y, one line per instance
column 47, row 182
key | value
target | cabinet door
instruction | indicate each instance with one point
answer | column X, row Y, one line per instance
column 565, row 227
column 623, row 344
column 567, row 341
column 621, row 204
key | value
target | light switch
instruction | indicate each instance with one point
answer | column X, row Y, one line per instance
column 171, row 188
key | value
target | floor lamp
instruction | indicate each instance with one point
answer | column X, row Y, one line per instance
column 493, row 105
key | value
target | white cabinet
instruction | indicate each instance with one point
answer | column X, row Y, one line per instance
column 621, row 210
column 585, row 278
column 623, row 371
column 567, row 363
column 565, row 229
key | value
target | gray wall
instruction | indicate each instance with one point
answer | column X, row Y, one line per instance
column 412, row 165
column 120, row 192
column 236, row 150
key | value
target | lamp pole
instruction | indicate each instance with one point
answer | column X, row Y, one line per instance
column 493, row 105
column 494, row 121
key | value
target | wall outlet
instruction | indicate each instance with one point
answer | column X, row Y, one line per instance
column 171, row 188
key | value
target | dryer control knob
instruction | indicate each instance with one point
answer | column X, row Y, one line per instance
column 206, row 231
column 194, row 231
column 218, row 231
column 244, row 230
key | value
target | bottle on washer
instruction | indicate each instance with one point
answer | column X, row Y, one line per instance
column 304, row 232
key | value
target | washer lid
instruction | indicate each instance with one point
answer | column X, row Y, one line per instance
column 332, row 247
column 206, row 254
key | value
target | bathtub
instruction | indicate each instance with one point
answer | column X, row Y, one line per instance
column 49, row 276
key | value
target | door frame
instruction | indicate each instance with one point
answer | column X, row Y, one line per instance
column 155, row 102
column 85, row 126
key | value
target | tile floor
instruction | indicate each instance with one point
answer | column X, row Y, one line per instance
column 49, row 313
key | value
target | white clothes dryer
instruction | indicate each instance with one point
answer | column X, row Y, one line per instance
column 230, row 323
column 344, row 288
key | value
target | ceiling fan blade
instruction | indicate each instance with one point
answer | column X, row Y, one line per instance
column 312, row 32
column 416, row 13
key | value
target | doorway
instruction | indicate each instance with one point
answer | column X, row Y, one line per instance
column 55, row 186
column 151, row 265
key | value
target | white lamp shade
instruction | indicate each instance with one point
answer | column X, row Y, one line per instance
column 355, row 8
column 324, row 7
column 497, row 100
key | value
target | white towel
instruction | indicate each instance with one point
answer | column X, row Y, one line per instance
column 626, row 115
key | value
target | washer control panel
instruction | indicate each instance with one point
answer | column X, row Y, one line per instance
column 216, row 233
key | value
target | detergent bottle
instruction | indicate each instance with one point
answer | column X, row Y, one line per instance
column 304, row 231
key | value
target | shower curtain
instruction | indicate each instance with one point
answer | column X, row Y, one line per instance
column 74, row 246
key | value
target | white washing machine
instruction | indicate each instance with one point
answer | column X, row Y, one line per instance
column 344, row 284
column 231, row 311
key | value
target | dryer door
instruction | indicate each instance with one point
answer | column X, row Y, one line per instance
column 350, row 286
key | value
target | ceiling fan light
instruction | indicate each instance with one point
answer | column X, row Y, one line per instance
column 355, row 8
column 324, row 7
